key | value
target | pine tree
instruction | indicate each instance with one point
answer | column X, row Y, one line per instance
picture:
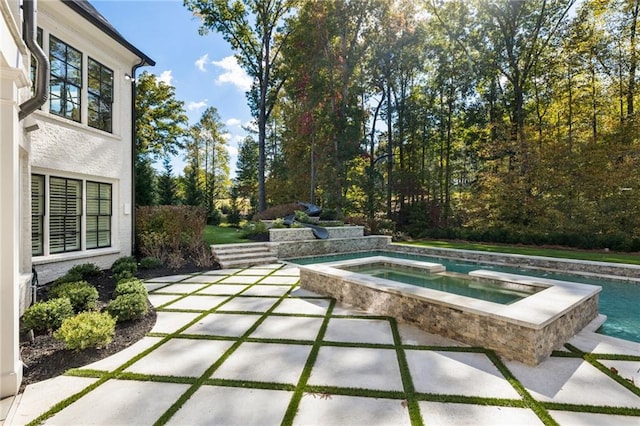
column 167, row 184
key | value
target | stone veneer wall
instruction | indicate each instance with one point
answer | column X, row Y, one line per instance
column 531, row 262
column 302, row 234
column 509, row 339
column 313, row 247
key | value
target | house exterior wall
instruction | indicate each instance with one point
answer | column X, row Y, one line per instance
column 49, row 145
column 68, row 149
column 14, row 274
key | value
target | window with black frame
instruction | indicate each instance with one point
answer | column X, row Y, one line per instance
column 99, row 211
column 66, row 79
column 65, row 212
column 100, row 96
column 37, row 214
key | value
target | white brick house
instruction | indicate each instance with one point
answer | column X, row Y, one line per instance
column 66, row 169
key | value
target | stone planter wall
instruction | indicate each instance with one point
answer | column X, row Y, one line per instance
column 302, row 234
column 313, row 247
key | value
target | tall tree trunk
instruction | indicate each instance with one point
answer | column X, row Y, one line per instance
column 633, row 58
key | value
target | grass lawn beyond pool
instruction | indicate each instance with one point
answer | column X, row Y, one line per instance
column 598, row 256
column 223, row 235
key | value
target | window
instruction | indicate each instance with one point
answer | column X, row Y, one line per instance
column 98, row 215
column 66, row 79
column 65, row 211
column 100, row 95
column 37, row 215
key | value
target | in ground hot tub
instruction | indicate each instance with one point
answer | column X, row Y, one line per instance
column 538, row 316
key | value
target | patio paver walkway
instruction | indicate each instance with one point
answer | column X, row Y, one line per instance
column 248, row 346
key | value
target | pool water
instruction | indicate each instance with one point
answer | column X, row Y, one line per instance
column 619, row 301
column 460, row 285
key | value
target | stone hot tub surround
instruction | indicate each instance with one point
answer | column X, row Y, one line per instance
column 527, row 330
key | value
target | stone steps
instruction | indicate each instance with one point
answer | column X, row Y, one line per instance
column 242, row 255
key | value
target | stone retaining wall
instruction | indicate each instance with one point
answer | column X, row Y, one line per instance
column 302, row 234
column 530, row 262
column 313, row 247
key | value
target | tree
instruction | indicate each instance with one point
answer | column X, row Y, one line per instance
column 211, row 142
column 247, row 171
column 160, row 127
column 258, row 46
column 167, row 184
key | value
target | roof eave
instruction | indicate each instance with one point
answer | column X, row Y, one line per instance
column 109, row 30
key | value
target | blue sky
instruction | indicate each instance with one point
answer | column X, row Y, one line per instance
column 201, row 68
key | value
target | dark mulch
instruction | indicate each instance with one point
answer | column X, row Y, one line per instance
column 44, row 357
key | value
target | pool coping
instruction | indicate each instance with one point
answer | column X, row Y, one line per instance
column 546, row 319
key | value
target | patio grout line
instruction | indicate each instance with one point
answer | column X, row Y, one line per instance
column 415, row 416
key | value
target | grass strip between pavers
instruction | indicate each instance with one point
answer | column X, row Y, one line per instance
column 473, row 400
column 229, row 383
column 595, row 409
column 294, row 403
column 56, row 408
column 407, row 381
column 529, row 401
column 593, row 360
column 171, row 411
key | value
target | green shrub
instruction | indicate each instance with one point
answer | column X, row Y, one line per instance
column 150, row 262
column 234, row 217
column 328, row 214
column 128, row 306
column 86, row 270
column 254, row 228
column 302, row 216
column 278, row 224
column 124, row 267
column 82, row 295
column 130, row 286
column 87, row 330
column 214, row 217
column 49, row 315
column 170, row 233
column 69, row 277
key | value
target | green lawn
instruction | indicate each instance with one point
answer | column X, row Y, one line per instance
column 223, row 235
column 600, row 256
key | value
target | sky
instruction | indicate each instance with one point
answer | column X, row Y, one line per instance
column 202, row 69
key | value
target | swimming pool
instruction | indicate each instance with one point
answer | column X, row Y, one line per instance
column 618, row 300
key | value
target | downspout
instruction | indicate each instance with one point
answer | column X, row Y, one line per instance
column 41, row 89
column 134, row 153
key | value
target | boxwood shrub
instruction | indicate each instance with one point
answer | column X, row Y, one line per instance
column 87, row 330
column 48, row 315
column 83, row 296
column 128, row 306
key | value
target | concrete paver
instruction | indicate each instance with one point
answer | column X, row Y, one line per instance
column 457, row 373
column 267, row 290
column 249, row 304
column 593, row 419
column 302, row 306
column 170, row 322
column 118, row 359
column 223, row 289
column 232, row 325
column 216, row 405
column 324, row 410
column 181, row 357
column 572, row 381
column 120, row 402
column 180, row 288
column 197, row 302
column 294, row 328
column 265, row 362
column 438, row 413
column 359, row 330
column 363, row 368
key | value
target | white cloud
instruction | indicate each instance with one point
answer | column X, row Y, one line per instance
column 233, row 151
column 233, row 122
column 194, row 106
column 166, row 77
column 202, row 61
column 233, row 74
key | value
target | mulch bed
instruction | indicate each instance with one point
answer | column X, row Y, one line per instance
column 44, row 357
